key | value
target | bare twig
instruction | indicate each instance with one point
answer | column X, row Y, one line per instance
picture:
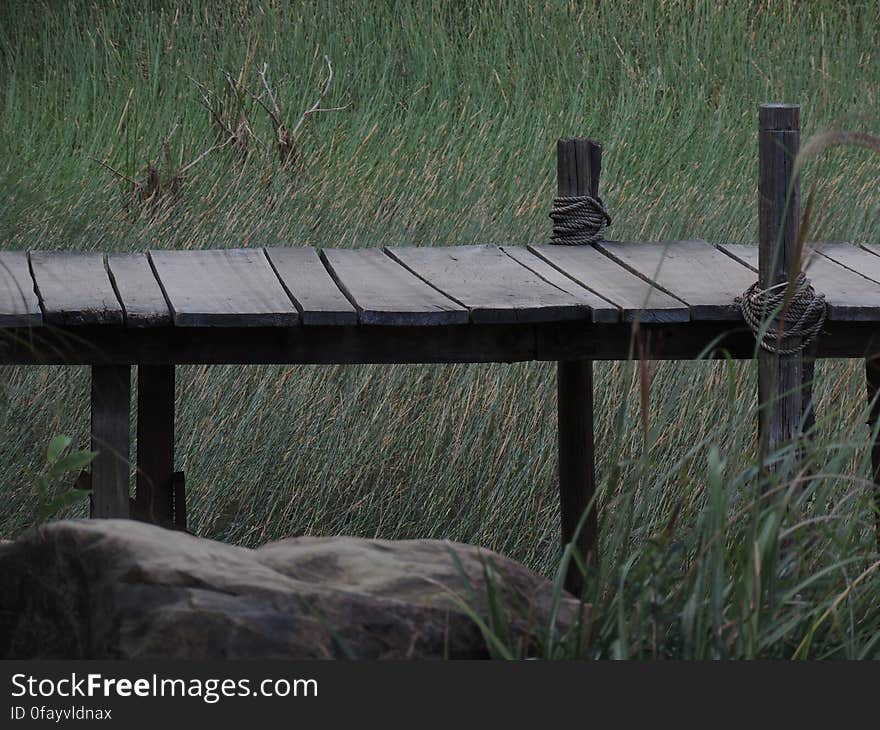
column 216, row 114
column 275, row 112
column 115, row 171
column 316, row 108
column 204, row 154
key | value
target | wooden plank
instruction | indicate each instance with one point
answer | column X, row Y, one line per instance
column 466, row 343
column 745, row 254
column 637, row 298
column 110, row 469
column 223, row 288
column 694, row 271
column 850, row 296
column 872, row 248
column 601, row 309
column 74, row 288
column 143, row 304
column 490, row 284
column 386, row 293
column 19, row 305
column 860, row 259
column 310, row 286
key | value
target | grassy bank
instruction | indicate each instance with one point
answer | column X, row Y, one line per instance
column 454, row 109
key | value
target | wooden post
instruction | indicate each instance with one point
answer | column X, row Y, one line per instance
column 579, row 163
column 872, row 377
column 782, row 398
column 155, row 444
column 178, row 487
column 111, row 410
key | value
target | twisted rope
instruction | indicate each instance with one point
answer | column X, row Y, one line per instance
column 803, row 320
column 579, row 220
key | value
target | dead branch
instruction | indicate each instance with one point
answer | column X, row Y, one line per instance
column 274, row 112
column 215, row 113
column 230, row 118
column 285, row 138
column 287, row 151
column 316, row 108
column 204, row 154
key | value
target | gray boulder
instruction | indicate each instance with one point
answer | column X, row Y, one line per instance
column 121, row 589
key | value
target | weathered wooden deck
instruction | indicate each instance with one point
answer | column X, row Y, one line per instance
column 408, row 304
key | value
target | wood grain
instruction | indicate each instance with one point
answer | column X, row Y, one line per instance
column 74, row 288
column 386, row 293
column 601, row 310
column 311, row 287
column 143, row 304
column 862, row 260
column 706, row 279
column 636, row 298
column 493, row 287
column 223, row 288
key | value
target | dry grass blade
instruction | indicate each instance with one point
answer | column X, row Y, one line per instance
column 113, row 170
column 818, row 143
column 201, row 156
column 797, row 265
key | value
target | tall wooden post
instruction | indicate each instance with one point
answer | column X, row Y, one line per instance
column 579, row 163
column 111, row 410
column 781, row 395
column 155, row 443
column 872, row 377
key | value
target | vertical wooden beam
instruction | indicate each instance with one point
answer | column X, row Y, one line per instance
column 781, row 396
column 872, row 377
column 155, row 443
column 111, row 411
column 178, row 482
column 579, row 163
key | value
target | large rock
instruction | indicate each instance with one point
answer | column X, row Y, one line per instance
column 122, row 589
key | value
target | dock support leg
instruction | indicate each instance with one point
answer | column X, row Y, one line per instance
column 872, row 377
column 155, row 444
column 578, row 166
column 781, row 395
column 111, row 411
column 577, row 481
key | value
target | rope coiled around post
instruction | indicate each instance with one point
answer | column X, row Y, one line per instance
column 802, row 320
column 579, row 220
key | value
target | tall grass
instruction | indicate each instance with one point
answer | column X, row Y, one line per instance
column 455, row 109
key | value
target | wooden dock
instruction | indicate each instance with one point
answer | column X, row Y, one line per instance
column 409, row 304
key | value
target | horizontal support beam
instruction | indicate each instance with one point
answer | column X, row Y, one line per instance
column 112, row 345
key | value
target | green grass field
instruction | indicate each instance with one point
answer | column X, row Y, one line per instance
column 449, row 138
